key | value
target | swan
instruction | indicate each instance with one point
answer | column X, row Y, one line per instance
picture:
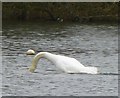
column 66, row 64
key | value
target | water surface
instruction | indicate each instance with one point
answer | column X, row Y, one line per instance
column 91, row 44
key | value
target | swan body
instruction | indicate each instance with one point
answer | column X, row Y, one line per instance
column 30, row 52
column 66, row 64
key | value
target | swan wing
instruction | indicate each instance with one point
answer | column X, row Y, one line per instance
column 68, row 64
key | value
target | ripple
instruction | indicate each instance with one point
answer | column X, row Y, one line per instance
column 90, row 44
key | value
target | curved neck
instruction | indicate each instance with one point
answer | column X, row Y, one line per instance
column 35, row 60
column 51, row 57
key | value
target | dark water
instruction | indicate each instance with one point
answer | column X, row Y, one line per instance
column 92, row 44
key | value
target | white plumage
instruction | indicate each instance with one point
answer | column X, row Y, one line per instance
column 66, row 64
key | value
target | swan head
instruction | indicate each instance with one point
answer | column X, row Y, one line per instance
column 32, row 69
column 30, row 52
column 35, row 61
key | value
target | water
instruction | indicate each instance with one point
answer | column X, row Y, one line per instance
column 91, row 44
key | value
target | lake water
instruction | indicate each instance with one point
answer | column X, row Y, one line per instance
column 91, row 44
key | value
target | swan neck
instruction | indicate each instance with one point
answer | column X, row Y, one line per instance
column 51, row 57
column 46, row 55
column 36, row 59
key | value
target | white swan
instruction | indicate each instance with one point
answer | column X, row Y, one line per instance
column 67, row 64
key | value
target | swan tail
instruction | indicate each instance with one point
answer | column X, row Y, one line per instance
column 90, row 70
